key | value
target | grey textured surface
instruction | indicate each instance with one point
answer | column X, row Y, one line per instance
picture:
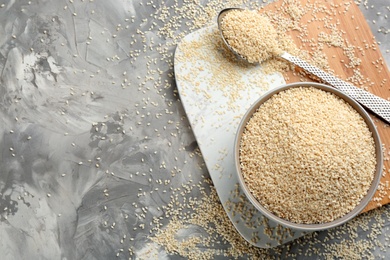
column 93, row 137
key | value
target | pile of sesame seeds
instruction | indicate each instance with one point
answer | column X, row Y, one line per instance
column 307, row 156
column 250, row 34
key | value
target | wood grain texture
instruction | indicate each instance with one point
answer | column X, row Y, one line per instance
column 316, row 18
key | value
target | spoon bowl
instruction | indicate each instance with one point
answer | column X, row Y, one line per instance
column 220, row 17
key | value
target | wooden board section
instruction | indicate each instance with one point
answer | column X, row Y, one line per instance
column 339, row 17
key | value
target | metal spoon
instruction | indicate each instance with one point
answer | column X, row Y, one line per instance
column 375, row 104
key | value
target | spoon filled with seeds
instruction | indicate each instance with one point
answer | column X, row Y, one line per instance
column 252, row 37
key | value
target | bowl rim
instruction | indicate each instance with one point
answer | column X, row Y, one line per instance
column 321, row 226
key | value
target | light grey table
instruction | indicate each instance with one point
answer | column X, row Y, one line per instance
column 93, row 137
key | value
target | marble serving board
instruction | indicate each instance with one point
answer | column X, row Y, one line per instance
column 216, row 91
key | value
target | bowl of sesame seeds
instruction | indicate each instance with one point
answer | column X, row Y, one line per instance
column 308, row 156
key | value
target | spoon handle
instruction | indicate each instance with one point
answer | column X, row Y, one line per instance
column 377, row 105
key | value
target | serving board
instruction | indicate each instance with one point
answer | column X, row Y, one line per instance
column 372, row 73
column 216, row 91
